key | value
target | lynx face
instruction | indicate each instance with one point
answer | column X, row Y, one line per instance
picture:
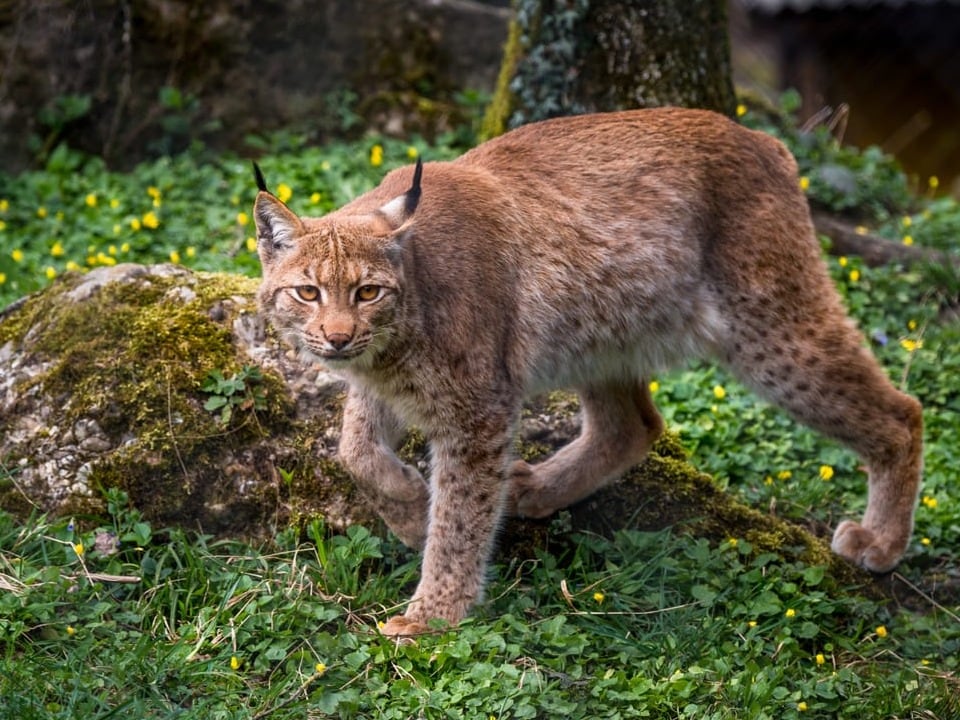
column 333, row 290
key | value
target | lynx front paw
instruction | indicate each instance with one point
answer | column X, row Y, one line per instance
column 866, row 548
column 526, row 497
column 400, row 626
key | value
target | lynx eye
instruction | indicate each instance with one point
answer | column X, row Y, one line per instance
column 367, row 293
column 309, row 293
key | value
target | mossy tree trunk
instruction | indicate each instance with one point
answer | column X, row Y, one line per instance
column 565, row 57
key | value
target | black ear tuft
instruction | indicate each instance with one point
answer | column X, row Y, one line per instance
column 412, row 196
column 258, row 176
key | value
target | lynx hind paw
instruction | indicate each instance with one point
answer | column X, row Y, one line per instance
column 526, row 493
column 865, row 548
column 400, row 626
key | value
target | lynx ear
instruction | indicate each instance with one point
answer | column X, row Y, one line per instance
column 277, row 226
column 258, row 176
column 399, row 210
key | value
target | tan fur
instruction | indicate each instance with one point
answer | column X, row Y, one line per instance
column 586, row 252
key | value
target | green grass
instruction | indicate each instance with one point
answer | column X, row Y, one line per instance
column 644, row 625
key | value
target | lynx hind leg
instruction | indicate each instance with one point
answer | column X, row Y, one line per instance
column 815, row 366
column 397, row 492
column 619, row 424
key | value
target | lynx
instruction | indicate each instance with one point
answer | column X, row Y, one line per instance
column 589, row 253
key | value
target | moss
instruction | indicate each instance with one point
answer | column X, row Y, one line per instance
column 667, row 491
column 131, row 358
column 501, row 104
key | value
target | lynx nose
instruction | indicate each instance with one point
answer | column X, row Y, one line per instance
column 339, row 340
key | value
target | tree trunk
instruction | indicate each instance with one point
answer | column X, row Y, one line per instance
column 566, row 57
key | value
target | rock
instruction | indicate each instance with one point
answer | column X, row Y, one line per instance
column 101, row 387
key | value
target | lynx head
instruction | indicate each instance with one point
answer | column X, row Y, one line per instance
column 333, row 286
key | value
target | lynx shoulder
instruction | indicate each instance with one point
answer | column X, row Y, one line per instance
column 585, row 252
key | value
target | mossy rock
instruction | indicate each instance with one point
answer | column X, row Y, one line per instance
column 102, row 388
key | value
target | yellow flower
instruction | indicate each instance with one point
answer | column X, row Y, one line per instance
column 114, row 203
column 125, row 248
column 112, row 250
column 881, row 631
column 654, row 386
column 71, row 631
column 802, row 706
column 911, row 324
column 91, row 199
column 752, row 624
column 41, row 212
column 191, row 252
column 412, row 152
column 826, row 472
column 598, row 597
column 929, row 502
column 804, row 183
column 151, row 220
column 933, row 182
column 718, row 392
column 908, row 240
column 784, row 475
column 105, row 259
column 911, row 345
column 135, row 223
column 284, row 192
column 78, row 548
column 768, row 480
column 320, row 669
column 4, row 205
column 820, row 659
column 252, row 244
column 174, row 256
column 234, row 662
column 741, row 110
column 790, row 613
column 72, row 266
column 153, row 192
column 3, row 278
column 242, row 218
column 57, row 249
column 315, row 198
column 17, row 255
column 116, row 228
column 854, row 276
column 376, row 155
column 907, row 221
column 733, row 542
column 3, row 225
column 50, row 272
column 925, row 542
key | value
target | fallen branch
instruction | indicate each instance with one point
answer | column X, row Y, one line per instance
column 875, row 250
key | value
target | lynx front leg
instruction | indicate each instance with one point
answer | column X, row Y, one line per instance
column 468, row 489
column 397, row 491
column 619, row 424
